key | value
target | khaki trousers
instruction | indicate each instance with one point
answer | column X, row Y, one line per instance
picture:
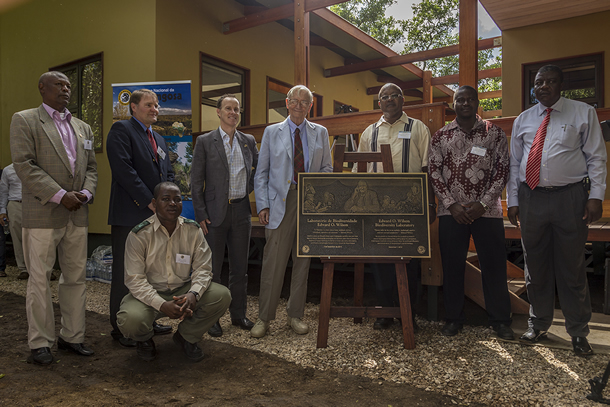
column 135, row 318
column 280, row 243
column 39, row 250
column 14, row 214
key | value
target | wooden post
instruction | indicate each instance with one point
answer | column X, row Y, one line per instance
column 427, row 85
column 301, row 44
column 469, row 24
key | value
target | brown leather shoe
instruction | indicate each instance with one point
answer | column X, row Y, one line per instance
column 24, row 275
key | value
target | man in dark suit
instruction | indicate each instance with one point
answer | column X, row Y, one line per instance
column 222, row 176
column 139, row 160
column 53, row 156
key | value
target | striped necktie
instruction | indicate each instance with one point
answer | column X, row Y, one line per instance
column 532, row 169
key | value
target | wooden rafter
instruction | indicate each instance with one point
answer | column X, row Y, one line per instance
column 418, row 83
column 273, row 14
column 404, row 59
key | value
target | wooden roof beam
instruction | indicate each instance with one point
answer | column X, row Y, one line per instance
column 405, row 59
column 273, row 14
column 363, row 37
column 484, row 74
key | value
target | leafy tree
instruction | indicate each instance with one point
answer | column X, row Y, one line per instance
column 434, row 25
column 369, row 16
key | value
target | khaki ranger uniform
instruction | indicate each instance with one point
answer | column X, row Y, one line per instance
column 159, row 267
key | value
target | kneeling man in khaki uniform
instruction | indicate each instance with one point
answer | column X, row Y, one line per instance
column 168, row 271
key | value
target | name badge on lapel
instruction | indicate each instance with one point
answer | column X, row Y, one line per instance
column 88, row 145
column 404, row 135
column 161, row 152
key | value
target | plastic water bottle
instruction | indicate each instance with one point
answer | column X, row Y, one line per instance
column 6, row 229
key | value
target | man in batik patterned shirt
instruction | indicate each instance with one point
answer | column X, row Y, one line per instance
column 469, row 166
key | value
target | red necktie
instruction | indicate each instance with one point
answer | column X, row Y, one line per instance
column 153, row 143
column 299, row 159
column 532, row 169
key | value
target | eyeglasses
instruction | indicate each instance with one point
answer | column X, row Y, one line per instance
column 392, row 96
column 294, row 102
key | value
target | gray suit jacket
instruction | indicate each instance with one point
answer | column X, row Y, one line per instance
column 210, row 174
column 276, row 168
column 41, row 162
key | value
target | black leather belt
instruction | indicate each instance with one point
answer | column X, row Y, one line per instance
column 238, row 200
column 14, row 200
column 556, row 189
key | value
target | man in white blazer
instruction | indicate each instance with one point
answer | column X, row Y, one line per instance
column 292, row 146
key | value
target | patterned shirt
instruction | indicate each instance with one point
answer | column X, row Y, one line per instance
column 469, row 167
column 238, row 181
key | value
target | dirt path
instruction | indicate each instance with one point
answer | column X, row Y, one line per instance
column 228, row 376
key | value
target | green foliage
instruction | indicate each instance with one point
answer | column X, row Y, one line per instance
column 434, row 25
column 369, row 16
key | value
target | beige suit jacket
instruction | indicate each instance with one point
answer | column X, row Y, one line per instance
column 41, row 162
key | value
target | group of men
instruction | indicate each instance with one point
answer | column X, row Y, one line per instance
column 166, row 265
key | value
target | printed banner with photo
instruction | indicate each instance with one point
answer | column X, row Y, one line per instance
column 174, row 123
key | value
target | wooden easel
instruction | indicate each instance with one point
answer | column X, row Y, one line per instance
column 358, row 311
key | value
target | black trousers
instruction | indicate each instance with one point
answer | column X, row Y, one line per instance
column 454, row 239
column 118, row 289
column 554, row 234
column 234, row 234
column 387, row 287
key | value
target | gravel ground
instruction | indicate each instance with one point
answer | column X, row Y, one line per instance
column 473, row 366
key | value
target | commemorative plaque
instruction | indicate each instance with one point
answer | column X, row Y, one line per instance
column 363, row 215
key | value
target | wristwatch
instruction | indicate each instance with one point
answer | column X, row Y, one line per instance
column 195, row 293
column 484, row 205
column 433, row 205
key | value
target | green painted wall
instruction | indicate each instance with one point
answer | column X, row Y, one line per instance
column 559, row 39
column 145, row 40
column 46, row 33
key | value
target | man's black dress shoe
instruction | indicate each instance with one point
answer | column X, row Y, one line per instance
column 533, row 335
column 581, row 346
column 161, row 329
column 78, row 348
column 216, row 330
column 41, row 356
column 191, row 350
column 146, row 350
column 451, row 328
column 243, row 323
column 127, row 342
column 383, row 323
column 504, row 332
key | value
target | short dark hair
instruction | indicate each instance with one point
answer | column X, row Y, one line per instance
column 389, row 85
column 223, row 97
column 137, row 95
column 466, row 87
column 54, row 74
column 552, row 68
column 157, row 190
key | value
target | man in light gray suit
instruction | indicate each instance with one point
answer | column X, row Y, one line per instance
column 292, row 146
column 54, row 158
column 222, row 176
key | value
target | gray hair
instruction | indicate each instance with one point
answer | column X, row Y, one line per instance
column 299, row 89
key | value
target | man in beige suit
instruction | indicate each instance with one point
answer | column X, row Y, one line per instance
column 53, row 156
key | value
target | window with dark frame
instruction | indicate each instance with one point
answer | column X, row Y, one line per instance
column 583, row 79
column 219, row 77
column 86, row 78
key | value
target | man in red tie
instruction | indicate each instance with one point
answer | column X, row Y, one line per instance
column 139, row 160
column 556, row 188
column 469, row 165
